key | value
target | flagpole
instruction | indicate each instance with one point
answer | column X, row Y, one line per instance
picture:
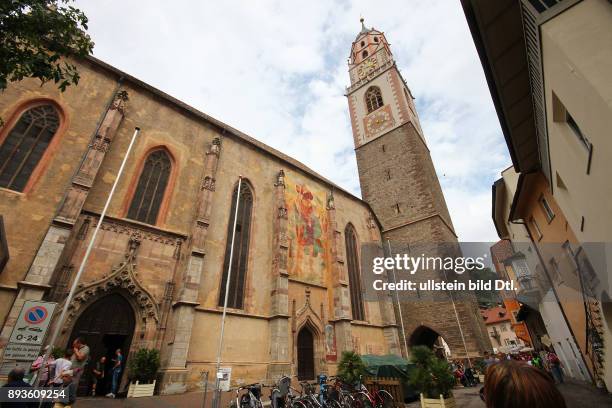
column 60, row 321
column 399, row 306
column 217, row 397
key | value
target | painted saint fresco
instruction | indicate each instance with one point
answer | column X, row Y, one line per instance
column 307, row 231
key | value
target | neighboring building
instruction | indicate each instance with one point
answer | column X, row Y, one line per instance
column 158, row 270
column 548, row 71
column 499, row 327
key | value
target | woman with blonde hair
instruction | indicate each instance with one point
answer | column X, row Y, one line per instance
column 514, row 384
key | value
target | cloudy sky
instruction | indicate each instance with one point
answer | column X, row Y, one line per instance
column 277, row 70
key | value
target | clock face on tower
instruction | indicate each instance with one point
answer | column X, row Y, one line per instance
column 367, row 67
column 378, row 121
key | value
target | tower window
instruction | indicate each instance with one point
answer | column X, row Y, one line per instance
column 364, row 54
column 357, row 307
column 376, row 39
column 363, row 43
column 388, row 173
column 397, row 208
column 373, row 98
column 384, row 149
column 25, row 145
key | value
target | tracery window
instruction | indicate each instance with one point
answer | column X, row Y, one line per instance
column 352, row 262
column 25, row 145
column 240, row 254
column 151, row 187
column 373, row 98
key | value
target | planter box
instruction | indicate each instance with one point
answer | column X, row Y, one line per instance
column 438, row 402
column 141, row 390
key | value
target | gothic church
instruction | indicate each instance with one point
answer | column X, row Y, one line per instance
column 157, row 274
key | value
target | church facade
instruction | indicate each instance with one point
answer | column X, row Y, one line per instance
column 158, row 270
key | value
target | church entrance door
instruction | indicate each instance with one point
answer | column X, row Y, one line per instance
column 105, row 326
column 305, row 353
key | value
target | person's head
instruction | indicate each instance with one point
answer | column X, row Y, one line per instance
column 118, row 352
column 486, row 354
column 513, row 384
column 68, row 354
column 16, row 374
column 78, row 342
column 67, row 376
column 103, row 359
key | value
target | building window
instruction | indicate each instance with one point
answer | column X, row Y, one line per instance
column 363, row 43
column 547, row 210
column 25, row 145
column 354, row 276
column 536, row 228
column 576, row 129
column 364, row 54
column 388, row 174
column 376, row 39
column 151, row 187
column 373, row 98
column 240, row 256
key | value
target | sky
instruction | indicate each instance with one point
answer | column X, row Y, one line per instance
column 277, row 70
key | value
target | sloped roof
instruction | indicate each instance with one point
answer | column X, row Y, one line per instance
column 495, row 315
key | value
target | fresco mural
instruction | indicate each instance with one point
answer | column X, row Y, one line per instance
column 307, row 231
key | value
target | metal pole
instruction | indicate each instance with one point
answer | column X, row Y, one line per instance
column 205, row 389
column 401, row 316
column 467, row 355
column 60, row 321
column 217, row 396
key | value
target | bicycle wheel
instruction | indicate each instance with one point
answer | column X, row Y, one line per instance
column 362, row 400
column 332, row 404
column 387, row 399
column 348, row 401
column 298, row 404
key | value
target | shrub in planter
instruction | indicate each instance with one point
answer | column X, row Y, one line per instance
column 351, row 367
column 143, row 366
column 432, row 376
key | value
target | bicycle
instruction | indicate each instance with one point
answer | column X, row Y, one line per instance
column 342, row 392
column 325, row 395
column 282, row 396
column 250, row 399
column 376, row 399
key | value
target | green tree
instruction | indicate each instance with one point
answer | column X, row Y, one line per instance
column 431, row 376
column 351, row 367
column 35, row 38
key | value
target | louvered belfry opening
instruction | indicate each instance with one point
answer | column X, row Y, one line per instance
column 352, row 262
column 241, row 248
column 373, row 98
column 151, row 188
column 25, row 145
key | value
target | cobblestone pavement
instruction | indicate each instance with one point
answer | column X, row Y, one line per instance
column 576, row 396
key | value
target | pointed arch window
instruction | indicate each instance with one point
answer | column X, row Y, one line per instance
column 151, row 187
column 352, row 262
column 25, row 145
column 240, row 255
column 373, row 98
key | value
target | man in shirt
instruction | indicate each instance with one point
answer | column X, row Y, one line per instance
column 98, row 374
column 61, row 365
column 15, row 380
column 80, row 358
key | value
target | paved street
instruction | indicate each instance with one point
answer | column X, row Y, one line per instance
column 576, row 396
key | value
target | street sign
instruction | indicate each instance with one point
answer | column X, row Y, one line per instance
column 21, row 352
column 32, row 323
column 224, row 375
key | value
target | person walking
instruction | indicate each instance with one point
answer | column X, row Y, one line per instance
column 98, row 374
column 80, row 358
column 515, row 384
column 42, row 373
column 69, row 387
column 116, row 373
column 61, row 364
column 555, row 367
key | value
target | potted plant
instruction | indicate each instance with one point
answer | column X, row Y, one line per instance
column 433, row 378
column 481, row 366
column 143, row 369
column 351, row 367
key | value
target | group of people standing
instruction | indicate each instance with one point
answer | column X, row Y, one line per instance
column 74, row 362
column 546, row 360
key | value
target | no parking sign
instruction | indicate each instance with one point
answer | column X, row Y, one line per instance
column 32, row 323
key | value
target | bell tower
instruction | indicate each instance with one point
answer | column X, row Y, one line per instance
column 398, row 180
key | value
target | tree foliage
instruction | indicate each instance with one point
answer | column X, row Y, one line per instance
column 144, row 365
column 351, row 367
column 432, row 376
column 35, row 38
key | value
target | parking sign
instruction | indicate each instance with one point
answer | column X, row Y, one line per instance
column 32, row 323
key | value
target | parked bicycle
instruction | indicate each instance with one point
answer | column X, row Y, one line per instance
column 378, row 398
column 248, row 396
column 282, row 395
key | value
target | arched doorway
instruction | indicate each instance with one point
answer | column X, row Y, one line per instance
column 305, row 354
column 105, row 326
column 425, row 336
